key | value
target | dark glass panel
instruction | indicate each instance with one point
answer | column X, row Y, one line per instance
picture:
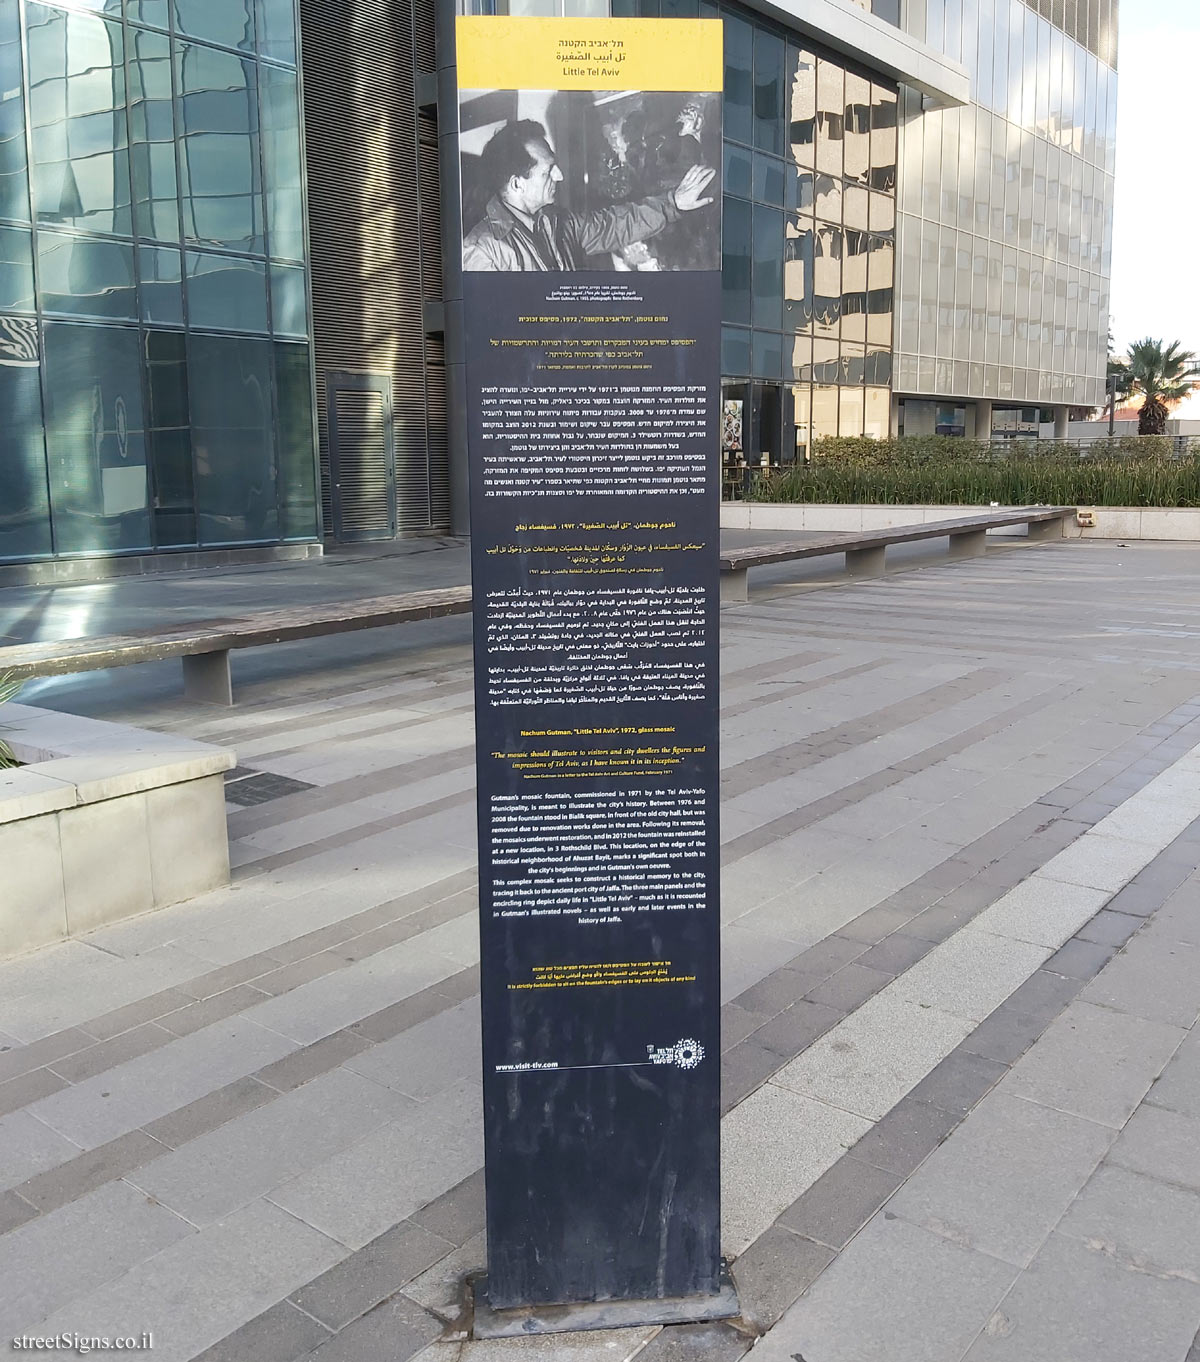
column 160, row 286
column 766, row 358
column 289, row 309
column 228, row 22
column 831, row 113
column 768, row 267
column 281, row 155
column 24, row 506
column 736, row 254
column 678, row 9
column 169, row 431
column 152, row 136
column 739, row 82
column 156, row 13
column 277, row 30
column 229, row 385
column 16, row 270
column 218, row 115
column 768, row 91
column 14, row 181
column 77, row 113
column 738, row 174
column 887, row 10
column 297, row 477
column 768, row 179
column 735, row 350
column 82, row 277
column 95, row 438
column 802, row 123
column 226, row 293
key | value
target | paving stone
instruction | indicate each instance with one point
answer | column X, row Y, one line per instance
column 959, row 1081
column 895, row 953
column 27, row 1148
column 840, row 1202
column 212, row 1009
column 719, row 1342
column 1178, row 1086
column 795, row 1029
column 108, row 1054
column 280, row 1334
column 1044, row 995
column 458, row 1214
column 849, row 988
column 1043, row 911
column 1094, row 1063
column 1153, row 977
column 774, row 1270
column 14, row 1211
column 1080, row 959
column 1138, row 1221
column 393, row 1332
column 428, row 1058
column 1077, row 1305
column 765, row 1166
column 311, row 1061
column 1002, row 1181
column 1162, row 1144
column 745, row 1067
column 29, row 1088
column 208, row 1112
column 1004, row 1035
column 737, row 1023
column 970, row 974
column 92, row 1168
column 878, row 923
column 125, row 1018
column 17, row 1059
column 440, row 1288
column 897, row 1293
column 370, row 1275
column 52, row 1260
column 905, row 1136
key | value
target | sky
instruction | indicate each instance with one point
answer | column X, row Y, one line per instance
column 1155, row 270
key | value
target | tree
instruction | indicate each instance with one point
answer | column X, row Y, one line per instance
column 1161, row 376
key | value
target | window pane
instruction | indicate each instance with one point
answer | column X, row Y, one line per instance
column 739, row 86
column 289, row 311
column 281, row 154
column 230, row 22
column 883, row 138
column 735, row 350
column 803, row 122
column 152, row 12
column 735, row 262
column 218, row 113
column 170, row 437
column 86, row 278
column 160, row 287
column 768, row 179
column 77, row 111
column 14, row 184
column 798, row 274
column 738, row 175
column 857, row 127
column 831, row 113
column 768, row 91
column 95, row 438
column 850, row 412
column 225, row 293
column 768, row 267
column 767, row 354
column 229, row 387
column 297, row 478
column 827, row 280
column 277, row 30
column 152, row 136
column 25, row 522
column 16, row 270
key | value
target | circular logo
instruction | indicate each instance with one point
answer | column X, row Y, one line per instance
column 688, row 1053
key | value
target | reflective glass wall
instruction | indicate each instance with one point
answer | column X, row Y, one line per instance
column 810, row 149
column 1005, row 221
column 155, row 380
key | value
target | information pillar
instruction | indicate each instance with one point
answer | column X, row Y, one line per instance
column 591, row 191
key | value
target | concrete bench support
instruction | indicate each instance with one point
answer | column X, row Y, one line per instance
column 1045, row 529
column 208, row 678
column 735, row 588
column 866, row 562
column 968, row 545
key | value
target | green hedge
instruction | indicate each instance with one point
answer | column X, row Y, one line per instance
column 941, row 470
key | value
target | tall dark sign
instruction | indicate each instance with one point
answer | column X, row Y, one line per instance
column 591, row 254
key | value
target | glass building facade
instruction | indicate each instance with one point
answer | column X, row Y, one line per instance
column 1005, row 209
column 155, row 375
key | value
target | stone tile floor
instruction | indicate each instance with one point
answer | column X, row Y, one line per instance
column 961, row 929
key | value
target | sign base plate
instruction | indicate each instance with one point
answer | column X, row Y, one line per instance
column 586, row 1315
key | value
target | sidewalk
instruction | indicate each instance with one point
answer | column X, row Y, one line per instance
column 249, row 1123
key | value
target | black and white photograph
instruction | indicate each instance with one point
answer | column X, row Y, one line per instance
column 558, row 180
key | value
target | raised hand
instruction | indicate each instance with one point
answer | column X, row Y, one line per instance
column 691, row 187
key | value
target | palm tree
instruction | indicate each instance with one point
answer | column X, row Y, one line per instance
column 1162, row 375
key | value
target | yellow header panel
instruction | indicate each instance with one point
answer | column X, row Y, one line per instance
column 499, row 53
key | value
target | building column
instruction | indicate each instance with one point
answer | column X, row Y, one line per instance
column 983, row 418
column 1062, row 422
column 452, row 292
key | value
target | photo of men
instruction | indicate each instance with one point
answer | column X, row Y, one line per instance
column 589, row 181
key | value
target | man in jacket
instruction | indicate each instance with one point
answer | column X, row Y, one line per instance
column 522, row 230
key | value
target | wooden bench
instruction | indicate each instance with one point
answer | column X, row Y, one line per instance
column 865, row 551
column 204, row 645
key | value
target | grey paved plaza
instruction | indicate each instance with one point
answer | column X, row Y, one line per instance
column 961, row 954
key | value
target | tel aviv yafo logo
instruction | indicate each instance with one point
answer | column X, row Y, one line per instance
column 684, row 1054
